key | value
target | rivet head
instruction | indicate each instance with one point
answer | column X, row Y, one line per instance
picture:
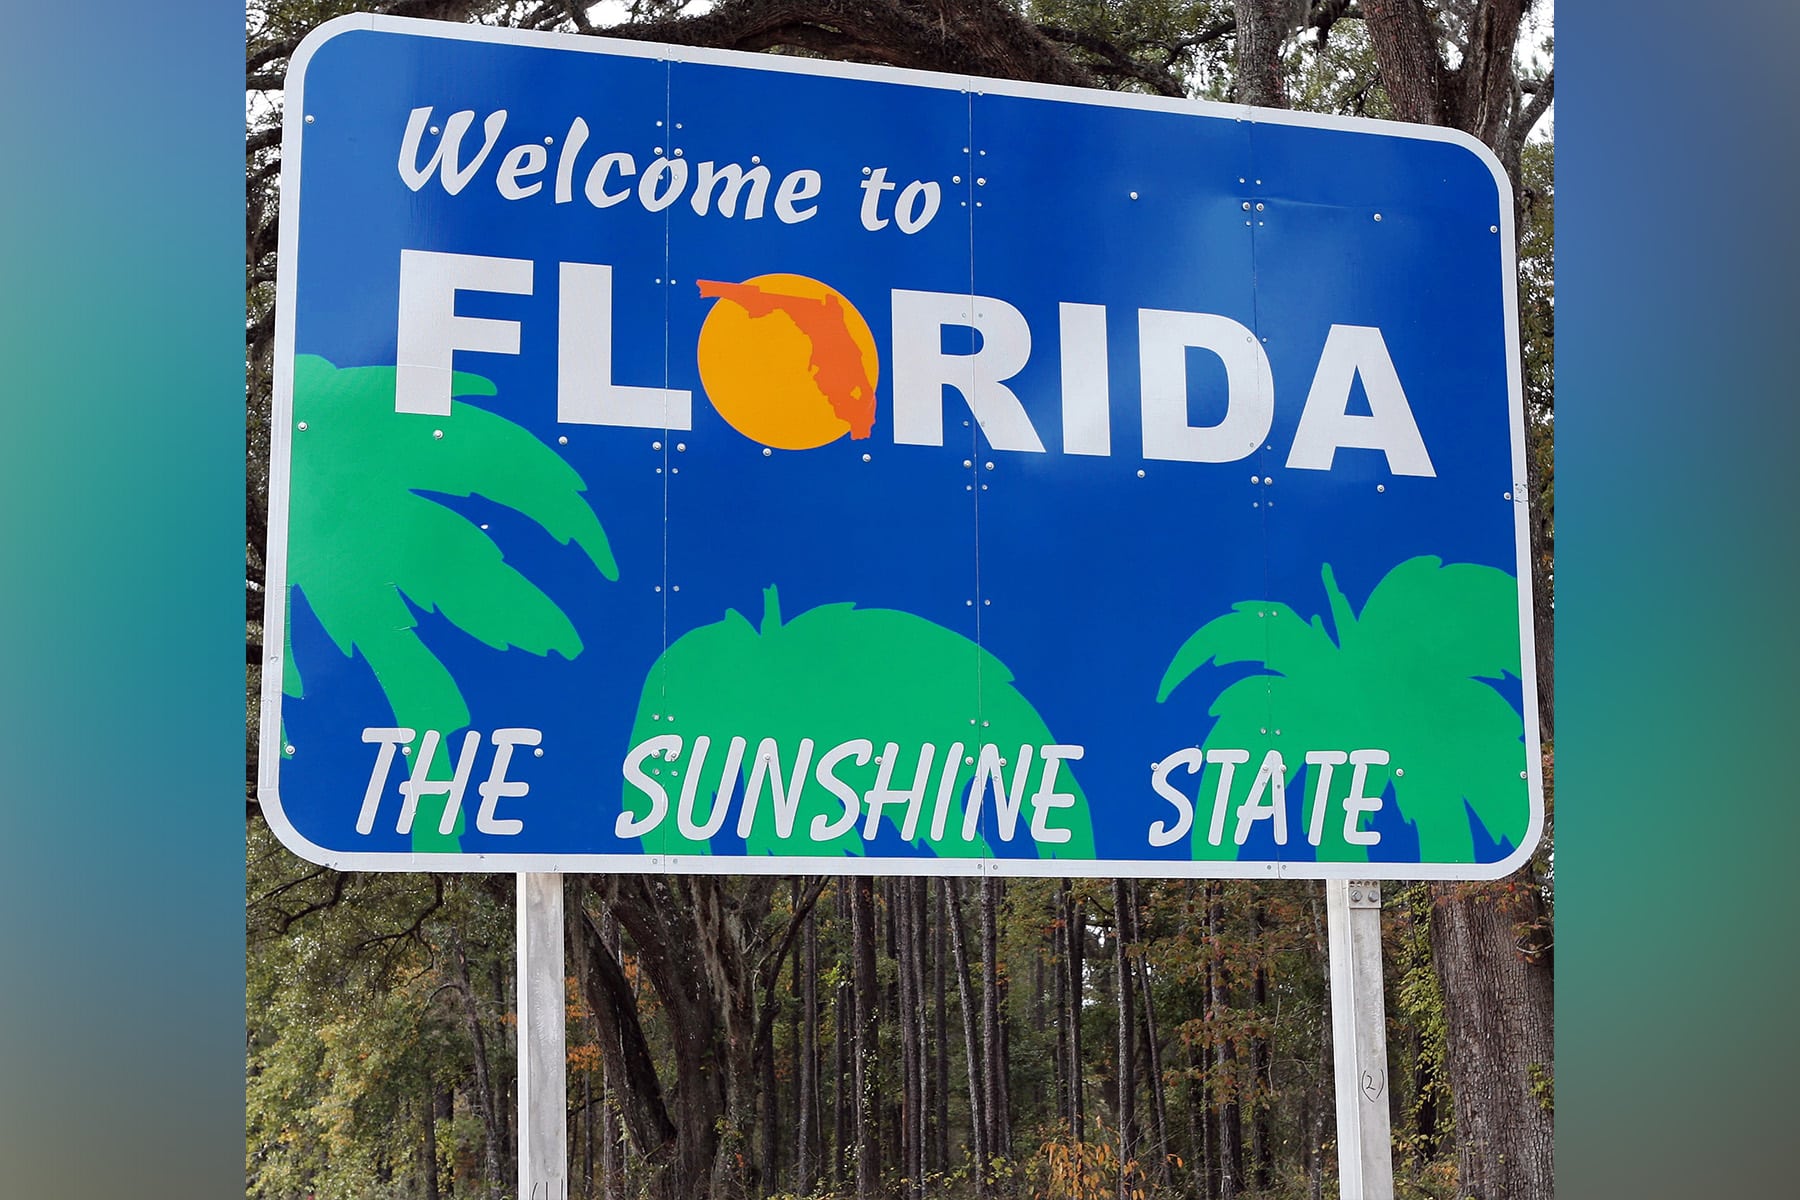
column 1506, row 495
column 563, row 440
column 1259, row 206
column 1399, row 771
column 1140, row 472
column 656, row 445
column 309, row 121
column 867, row 458
column 1381, row 487
column 989, row 466
column 302, row 427
column 287, row 749
column 438, row 434
column 1134, row 195
column 767, row 452
column 681, row 447
column 1246, row 203
column 1378, row 216
column 1493, row 229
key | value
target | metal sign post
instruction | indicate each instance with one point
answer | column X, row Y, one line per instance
column 543, row 1094
column 1359, row 1039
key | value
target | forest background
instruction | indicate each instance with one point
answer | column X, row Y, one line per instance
column 911, row 1037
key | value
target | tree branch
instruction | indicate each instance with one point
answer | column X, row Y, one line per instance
column 1118, row 63
column 765, row 1022
column 977, row 37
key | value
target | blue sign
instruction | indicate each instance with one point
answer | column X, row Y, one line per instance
column 695, row 461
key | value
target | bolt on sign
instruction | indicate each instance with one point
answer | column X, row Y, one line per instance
column 695, row 461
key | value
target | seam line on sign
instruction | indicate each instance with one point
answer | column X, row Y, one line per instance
column 668, row 292
column 985, row 861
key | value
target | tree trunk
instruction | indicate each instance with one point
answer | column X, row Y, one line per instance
column 1077, row 943
column 1497, row 1008
column 1262, row 25
column 493, row 1145
column 806, row 1102
column 868, row 1000
column 630, row 1072
column 1231, row 1146
column 1059, row 954
column 843, row 1090
column 1159, row 1112
column 1125, row 1073
column 906, row 1029
column 921, row 1060
column 766, row 1170
column 940, row 1029
column 428, row 1149
column 994, row 1097
column 1262, row 1148
column 1198, row 1124
column 978, row 1149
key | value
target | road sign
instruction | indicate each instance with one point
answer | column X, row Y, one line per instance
column 687, row 460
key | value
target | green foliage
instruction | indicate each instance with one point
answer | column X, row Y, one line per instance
column 831, row 675
column 1336, row 73
column 370, row 542
column 1405, row 674
column 1143, row 45
column 354, row 1024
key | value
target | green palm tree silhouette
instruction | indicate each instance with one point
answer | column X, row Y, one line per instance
column 366, row 537
column 834, row 674
column 1406, row 676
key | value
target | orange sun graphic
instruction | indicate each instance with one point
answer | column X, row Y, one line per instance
column 788, row 361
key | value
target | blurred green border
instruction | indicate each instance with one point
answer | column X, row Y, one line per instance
column 121, row 505
column 1676, row 651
